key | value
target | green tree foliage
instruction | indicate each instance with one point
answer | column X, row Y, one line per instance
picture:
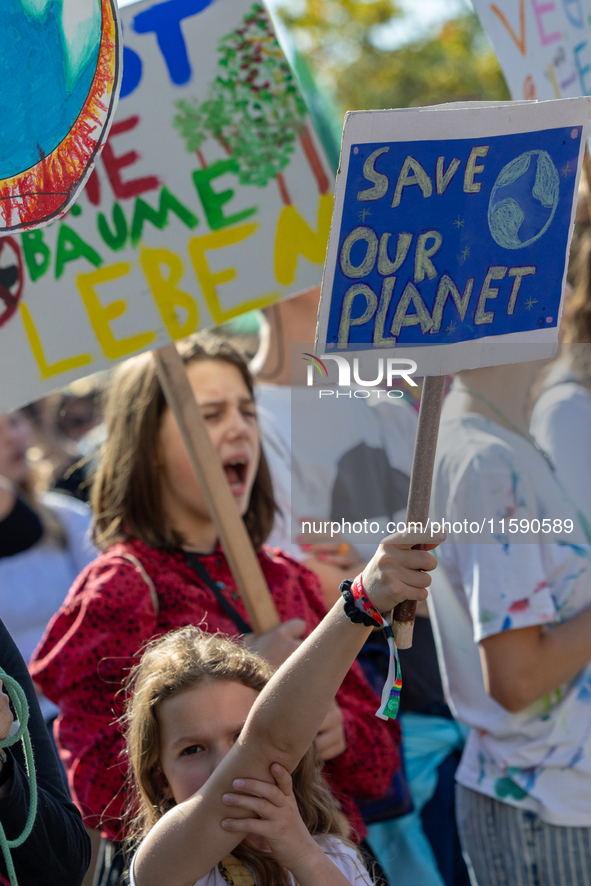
column 253, row 108
column 189, row 123
column 334, row 34
column 338, row 40
column 256, row 84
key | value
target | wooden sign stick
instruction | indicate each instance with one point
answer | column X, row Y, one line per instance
column 587, row 171
column 419, row 494
column 230, row 527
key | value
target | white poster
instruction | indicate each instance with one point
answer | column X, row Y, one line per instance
column 211, row 197
column 543, row 46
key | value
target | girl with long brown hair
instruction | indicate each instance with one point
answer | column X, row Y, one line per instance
column 213, row 746
column 162, row 568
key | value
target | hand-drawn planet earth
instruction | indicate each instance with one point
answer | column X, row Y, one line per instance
column 58, row 73
column 53, row 61
column 523, row 200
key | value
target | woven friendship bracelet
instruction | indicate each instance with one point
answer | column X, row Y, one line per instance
column 363, row 602
column 359, row 608
column 392, row 687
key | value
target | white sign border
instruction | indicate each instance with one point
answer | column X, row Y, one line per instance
column 418, row 124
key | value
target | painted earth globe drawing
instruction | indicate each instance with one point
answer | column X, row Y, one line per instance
column 59, row 73
column 51, row 87
column 523, row 200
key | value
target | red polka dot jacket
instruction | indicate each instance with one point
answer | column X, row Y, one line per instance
column 108, row 615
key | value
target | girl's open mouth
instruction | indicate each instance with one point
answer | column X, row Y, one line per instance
column 235, row 469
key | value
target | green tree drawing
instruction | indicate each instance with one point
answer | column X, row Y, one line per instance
column 253, row 109
column 196, row 120
column 189, row 123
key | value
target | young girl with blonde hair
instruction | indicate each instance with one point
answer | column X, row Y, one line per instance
column 213, row 741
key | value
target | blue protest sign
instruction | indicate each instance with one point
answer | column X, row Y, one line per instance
column 457, row 234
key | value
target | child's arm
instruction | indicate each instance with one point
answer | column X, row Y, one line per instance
column 190, row 840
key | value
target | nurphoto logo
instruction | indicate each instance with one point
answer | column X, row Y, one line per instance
column 387, row 370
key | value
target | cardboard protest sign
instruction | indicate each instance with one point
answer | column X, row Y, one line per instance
column 452, row 228
column 60, row 70
column 544, row 48
column 211, row 197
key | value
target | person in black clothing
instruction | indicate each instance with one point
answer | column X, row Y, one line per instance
column 57, row 853
column 20, row 526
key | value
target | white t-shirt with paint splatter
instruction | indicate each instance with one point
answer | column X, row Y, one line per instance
column 540, row 758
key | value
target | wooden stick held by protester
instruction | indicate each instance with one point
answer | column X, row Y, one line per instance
column 210, row 474
column 420, row 489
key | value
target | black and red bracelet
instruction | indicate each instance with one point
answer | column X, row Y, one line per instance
column 360, row 610
column 358, row 607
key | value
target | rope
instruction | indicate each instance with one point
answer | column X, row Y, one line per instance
column 21, row 707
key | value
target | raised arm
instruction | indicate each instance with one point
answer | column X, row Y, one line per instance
column 282, row 723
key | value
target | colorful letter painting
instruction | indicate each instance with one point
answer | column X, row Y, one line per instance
column 543, row 46
column 59, row 69
column 211, row 196
column 439, row 241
